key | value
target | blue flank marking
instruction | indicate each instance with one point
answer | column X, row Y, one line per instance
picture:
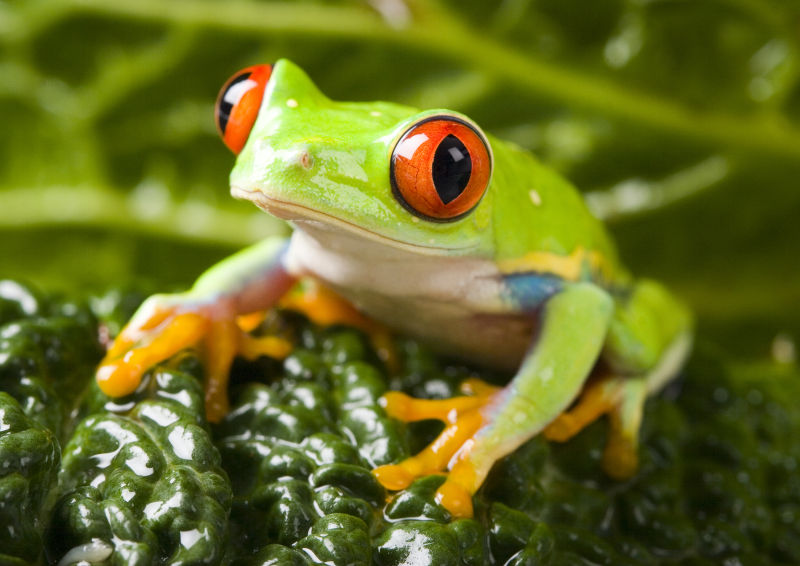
column 527, row 291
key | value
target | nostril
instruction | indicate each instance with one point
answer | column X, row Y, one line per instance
column 305, row 159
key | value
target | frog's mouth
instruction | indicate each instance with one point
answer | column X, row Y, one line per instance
column 311, row 220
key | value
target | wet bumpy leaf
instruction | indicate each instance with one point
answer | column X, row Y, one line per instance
column 29, row 457
column 48, row 352
column 285, row 478
column 141, row 481
column 299, row 467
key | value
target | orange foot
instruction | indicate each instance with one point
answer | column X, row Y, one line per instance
column 622, row 398
column 166, row 324
column 463, row 418
column 462, row 447
column 324, row 307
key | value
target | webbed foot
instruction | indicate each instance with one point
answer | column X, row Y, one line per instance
column 463, row 418
column 622, row 398
column 166, row 324
column 459, row 447
column 324, row 307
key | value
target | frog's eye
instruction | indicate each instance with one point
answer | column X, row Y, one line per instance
column 440, row 168
column 238, row 103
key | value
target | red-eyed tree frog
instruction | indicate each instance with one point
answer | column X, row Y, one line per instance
column 423, row 222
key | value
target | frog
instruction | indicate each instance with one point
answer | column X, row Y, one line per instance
column 422, row 222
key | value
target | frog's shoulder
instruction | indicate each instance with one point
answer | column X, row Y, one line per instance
column 543, row 226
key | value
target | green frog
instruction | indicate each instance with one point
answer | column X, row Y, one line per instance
column 423, row 222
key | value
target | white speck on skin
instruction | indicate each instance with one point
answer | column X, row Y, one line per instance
column 535, row 197
column 375, row 113
column 292, row 103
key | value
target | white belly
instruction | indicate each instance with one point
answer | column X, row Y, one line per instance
column 452, row 303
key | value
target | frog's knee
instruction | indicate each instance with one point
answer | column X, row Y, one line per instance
column 643, row 326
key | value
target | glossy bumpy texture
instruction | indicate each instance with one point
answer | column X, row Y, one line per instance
column 717, row 481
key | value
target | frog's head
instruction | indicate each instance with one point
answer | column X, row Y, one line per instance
column 377, row 171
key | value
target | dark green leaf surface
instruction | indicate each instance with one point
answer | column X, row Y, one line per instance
column 29, row 457
column 141, row 475
column 285, row 478
column 48, row 351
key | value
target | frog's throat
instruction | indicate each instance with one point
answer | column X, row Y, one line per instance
column 299, row 214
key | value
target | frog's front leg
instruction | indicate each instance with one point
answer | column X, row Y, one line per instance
column 572, row 328
column 249, row 281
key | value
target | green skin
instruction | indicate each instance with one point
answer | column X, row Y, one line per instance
column 527, row 280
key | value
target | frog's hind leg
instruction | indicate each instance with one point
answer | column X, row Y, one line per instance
column 649, row 340
column 620, row 459
column 623, row 399
column 573, row 325
column 599, row 397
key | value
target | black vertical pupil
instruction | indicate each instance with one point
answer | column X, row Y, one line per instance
column 225, row 107
column 452, row 167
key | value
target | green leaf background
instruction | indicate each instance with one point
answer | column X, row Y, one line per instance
column 679, row 119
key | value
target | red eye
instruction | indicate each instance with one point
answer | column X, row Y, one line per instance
column 238, row 103
column 440, row 168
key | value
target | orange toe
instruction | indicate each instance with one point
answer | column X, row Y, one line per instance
column 393, row 477
column 463, row 418
column 456, row 499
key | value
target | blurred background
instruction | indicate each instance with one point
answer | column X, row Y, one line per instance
column 679, row 120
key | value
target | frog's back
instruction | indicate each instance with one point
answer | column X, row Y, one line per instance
column 542, row 224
